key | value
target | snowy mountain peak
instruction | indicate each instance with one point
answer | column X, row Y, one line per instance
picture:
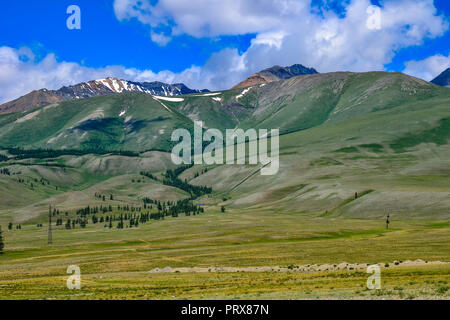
column 93, row 88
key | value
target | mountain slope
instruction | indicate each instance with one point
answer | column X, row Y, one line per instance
column 127, row 121
column 395, row 159
column 33, row 99
column 384, row 136
column 275, row 73
column 306, row 101
column 443, row 79
column 138, row 122
column 93, row 88
column 294, row 104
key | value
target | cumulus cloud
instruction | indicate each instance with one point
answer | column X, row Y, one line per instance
column 429, row 68
column 291, row 31
column 20, row 73
column 160, row 38
column 210, row 18
column 287, row 32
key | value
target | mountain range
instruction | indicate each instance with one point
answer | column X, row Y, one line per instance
column 92, row 89
column 443, row 79
column 383, row 135
column 114, row 85
column 137, row 121
column 275, row 73
column 354, row 150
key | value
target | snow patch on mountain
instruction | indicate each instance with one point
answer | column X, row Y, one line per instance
column 169, row 99
column 207, row 94
column 243, row 93
column 94, row 88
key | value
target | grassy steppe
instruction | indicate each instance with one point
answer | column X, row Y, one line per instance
column 116, row 263
column 384, row 137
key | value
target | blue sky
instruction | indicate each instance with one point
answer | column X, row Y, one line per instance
column 214, row 44
column 103, row 40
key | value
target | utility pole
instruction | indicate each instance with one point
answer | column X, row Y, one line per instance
column 50, row 224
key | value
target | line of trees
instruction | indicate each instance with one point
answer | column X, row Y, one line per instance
column 131, row 220
column 83, row 212
column 197, row 174
column 132, row 215
column 11, row 226
column 126, row 215
column 20, row 153
column 148, row 175
column 129, row 216
column 103, row 197
column 171, row 179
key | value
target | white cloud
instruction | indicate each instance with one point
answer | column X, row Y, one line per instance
column 287, row 32
column 271, row 39
column 160, row 38
column 209, row 18
column 429, row 68
column 20, row 73
column 290, row 31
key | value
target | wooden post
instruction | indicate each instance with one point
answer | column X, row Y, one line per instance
column 50, row 240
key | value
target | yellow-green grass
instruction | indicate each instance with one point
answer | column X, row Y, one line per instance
column 399, row 283
column 116, row 263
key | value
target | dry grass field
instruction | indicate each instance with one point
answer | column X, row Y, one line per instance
column 231, row 255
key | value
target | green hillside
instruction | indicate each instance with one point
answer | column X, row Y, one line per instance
column 384, row 135
column 353, row 149
column 396, row 159
column 127, row 121
column 138, row 122
column 307, row 101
